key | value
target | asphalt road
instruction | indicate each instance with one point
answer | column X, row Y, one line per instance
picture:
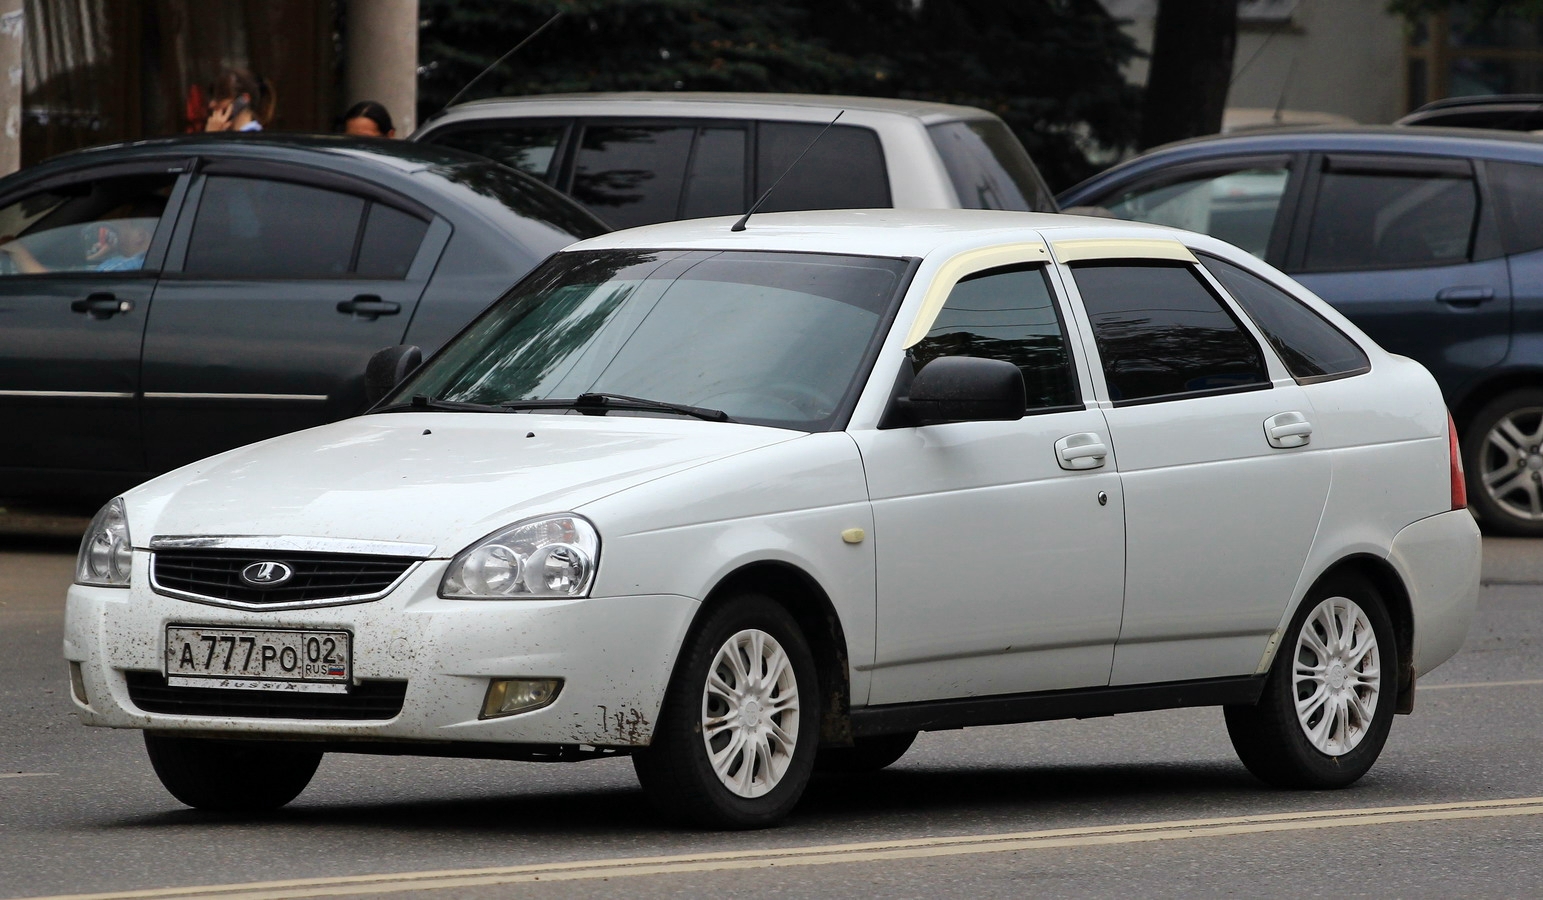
column 1150, row 805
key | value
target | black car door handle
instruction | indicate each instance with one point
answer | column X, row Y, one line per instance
column 1465, row 296
column 101, row 306
column 368, row 306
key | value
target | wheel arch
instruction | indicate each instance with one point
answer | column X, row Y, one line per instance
column 1395, row 597
column 810, row 606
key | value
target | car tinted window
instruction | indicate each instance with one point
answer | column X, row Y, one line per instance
column 530, row 147
column 525, row 197
column 1518, row 191
column 391, row 239
column 252, row 228
column 97, row 226
column 632, row 174
column 1367, row 220
column 1310, row 347
column 1162, row 334
column 844, row 170
column 1011, row 315
column 989, row 168
column 1237, row 205
column 715, row 184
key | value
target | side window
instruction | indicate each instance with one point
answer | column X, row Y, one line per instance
column 1311, row 348
column 632, row 174
column 989, row 168
column 97, row 226
column 1238, row 206
column 1386, row 220
column 1008, row 314
column 1518, row 191
column 391, row 239
column 530, row 147
column 715, row 183
column 1161, row 334
column 844, row 170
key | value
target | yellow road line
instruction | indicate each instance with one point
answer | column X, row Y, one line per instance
column 1477, row 684
column 869, row 851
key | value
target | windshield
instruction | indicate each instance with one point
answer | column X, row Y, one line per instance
column 767, row 338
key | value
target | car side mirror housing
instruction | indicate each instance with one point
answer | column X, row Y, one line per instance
column 965, row 389
column 387, row 369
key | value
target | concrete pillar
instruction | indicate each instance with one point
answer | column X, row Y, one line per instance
column 12, row 32
column 380, row 51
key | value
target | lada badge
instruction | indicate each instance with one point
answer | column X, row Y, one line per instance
column 267, row 574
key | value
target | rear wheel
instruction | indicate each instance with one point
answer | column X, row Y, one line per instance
column 735, row 742
column 1503, row 458
column 231, row 776
column 868, row 754
column 1328, row 704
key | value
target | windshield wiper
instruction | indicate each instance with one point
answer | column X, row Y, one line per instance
column 594, row 402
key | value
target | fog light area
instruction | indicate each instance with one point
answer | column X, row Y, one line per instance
column 507, row 696
column 78, row 684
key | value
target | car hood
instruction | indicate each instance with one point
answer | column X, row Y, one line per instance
column 445, row 479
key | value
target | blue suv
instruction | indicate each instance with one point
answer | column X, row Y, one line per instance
column 1431, row 240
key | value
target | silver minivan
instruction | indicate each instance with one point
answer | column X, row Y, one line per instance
column 640, row 158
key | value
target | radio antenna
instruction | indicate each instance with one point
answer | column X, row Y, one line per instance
column 500, row 61
column 740, row 225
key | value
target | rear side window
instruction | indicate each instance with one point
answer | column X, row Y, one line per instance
column 391, row 239
column 989, row 167
column 530, row 147
column 1162, row 335
column 632, row 174
column 1011, row 315
column 1311, row 348
column 715, row 181
column 1518, row 190
column 844, row 170
column 1365, row 219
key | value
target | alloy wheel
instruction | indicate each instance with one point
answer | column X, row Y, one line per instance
column 750, row 713
column 1336, row 676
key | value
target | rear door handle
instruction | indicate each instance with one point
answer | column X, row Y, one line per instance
column 1471, row 295
column 1288, row 429
column 368, row 306
column 101, row 306
column 1081, row 451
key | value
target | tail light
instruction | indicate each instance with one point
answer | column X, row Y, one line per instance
column 1459, row 484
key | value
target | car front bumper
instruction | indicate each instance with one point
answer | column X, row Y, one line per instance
column 613, row 654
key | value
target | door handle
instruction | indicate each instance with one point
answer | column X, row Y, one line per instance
column 1471, row 295
column 368, row 306
column 1081, row 451
column 101, row 306
column 1288, row 429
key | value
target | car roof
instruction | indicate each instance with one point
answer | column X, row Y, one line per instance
column 397, row 155
column 705, row 103
column 881, row 232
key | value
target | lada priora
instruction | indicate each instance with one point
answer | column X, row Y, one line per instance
column 751, row 504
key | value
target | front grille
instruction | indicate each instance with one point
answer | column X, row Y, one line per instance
column 215, row 575
column 367, row 700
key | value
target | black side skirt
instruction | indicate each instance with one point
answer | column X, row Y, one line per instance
column 1081, row 703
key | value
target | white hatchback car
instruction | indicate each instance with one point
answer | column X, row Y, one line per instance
column 750, row 504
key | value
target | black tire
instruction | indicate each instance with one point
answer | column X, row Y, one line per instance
column 676, row 771
column 231, row 776
column 868, row 754
column 1273, row 740
column 1506, row 506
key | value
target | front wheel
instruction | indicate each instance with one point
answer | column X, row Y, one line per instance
column 1503, row 457
column 1329, row 700
column 736, row 737
column 231, row 776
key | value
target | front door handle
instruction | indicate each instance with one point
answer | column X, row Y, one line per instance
column 369, row 306
column 1081, row 451
column 1469, row 295
column 1288, row 429
column 101, row 306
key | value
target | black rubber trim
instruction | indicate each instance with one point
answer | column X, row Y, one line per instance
column 1080, row 703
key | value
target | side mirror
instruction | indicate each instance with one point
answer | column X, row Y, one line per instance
column 387, row 369
column 966, row 389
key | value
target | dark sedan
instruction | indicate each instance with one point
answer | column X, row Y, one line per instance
column 169, row 299
column 1429, row 239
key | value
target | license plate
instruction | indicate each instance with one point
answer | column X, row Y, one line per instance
column 259, row 659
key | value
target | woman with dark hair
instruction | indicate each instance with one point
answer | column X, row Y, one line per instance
column 239, row 101
column 368, row 119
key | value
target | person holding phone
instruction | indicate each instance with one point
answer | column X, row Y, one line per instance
column 239, row 101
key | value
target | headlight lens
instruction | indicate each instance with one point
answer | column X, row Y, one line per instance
column 106, row 552
column 547, row 557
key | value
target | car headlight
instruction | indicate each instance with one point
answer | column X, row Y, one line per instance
column 106, row 552
column 553, row 556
